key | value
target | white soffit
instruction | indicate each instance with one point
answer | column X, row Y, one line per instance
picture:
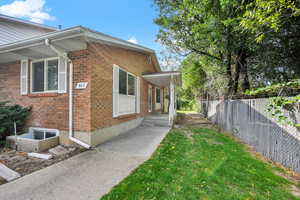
column 40, row 50
column 163, row 78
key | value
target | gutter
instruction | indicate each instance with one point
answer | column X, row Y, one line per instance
column 64, row 54
column 35, row 41
column 75, row 32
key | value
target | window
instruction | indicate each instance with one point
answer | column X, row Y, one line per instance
column 122, row 82
column 43, row 133
column 126, row 83
column 45, row 76
column 157, row 95
column 131, row 85
column 126, row 96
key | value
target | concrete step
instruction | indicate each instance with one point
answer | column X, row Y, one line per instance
column 147, row 122
column 157, row 117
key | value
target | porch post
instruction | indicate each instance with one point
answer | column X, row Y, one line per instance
column 172, row 109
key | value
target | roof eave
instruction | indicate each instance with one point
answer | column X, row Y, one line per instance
column 56, row 35
column 75, row 32
column 14, row 19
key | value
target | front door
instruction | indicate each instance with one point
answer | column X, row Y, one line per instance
column 150, row 98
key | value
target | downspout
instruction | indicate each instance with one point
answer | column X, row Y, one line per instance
column 65, row 55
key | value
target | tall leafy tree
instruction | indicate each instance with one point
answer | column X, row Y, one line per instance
column 276, row 25
column 209, row 28
column 263, row 15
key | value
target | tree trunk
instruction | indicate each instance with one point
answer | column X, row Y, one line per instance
column 228, row 63
column 241, row 72
column 244, row 72
column 229, row 74
column 237, row 73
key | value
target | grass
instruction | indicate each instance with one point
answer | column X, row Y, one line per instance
column 201, row 164
column 186, row 111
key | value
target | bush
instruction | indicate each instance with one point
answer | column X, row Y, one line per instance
column 10, row 113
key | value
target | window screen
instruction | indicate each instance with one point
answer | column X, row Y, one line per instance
column 52, row 75
column 38, row 76
column 131, row 85
column 122, row 82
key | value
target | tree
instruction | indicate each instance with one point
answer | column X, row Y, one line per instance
column 208, row 28
column 10, row 114
column 169, row 61
column 263, row 15
column 276, row 25
column 201, row 77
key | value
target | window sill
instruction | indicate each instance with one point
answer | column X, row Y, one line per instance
column 43, row 95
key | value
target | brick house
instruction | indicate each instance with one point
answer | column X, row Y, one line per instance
column 86, row 85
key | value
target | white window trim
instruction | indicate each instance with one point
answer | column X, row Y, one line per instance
column 127, row 95
column 45, row 75
column 134, row 84
column 150, row 109
column 24, row 76
column 135, row 77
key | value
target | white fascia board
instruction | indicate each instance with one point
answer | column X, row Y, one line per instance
column 162, row 74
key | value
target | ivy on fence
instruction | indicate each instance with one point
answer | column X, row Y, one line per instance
column 279, row 104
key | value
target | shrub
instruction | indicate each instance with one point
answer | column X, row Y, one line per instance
column 10, row 113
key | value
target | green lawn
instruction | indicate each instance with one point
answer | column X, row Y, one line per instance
column 201, row 164
column 186, row 111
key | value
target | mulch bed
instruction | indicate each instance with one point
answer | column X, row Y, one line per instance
column 23, row 164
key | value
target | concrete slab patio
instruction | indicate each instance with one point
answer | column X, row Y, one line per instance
column 91, row 174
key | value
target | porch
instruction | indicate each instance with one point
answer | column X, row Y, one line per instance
column 169, row 80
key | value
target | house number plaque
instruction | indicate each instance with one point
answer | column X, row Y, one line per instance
column 81, row 85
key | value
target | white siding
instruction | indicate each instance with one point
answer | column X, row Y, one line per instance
column 12, row 32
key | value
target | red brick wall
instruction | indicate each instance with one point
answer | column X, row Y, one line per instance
column 93, row 105
column 102, row 58
column 81, row 97
column 48, row 110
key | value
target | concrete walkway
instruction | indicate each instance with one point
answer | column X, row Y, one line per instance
column 91, row 174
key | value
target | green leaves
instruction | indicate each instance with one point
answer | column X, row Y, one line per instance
column 10, row 113
column 275, row 88
column 277, row 107
column 268, row 14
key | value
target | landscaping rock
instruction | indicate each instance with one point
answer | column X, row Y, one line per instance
column 59, row 150
column 22, row 163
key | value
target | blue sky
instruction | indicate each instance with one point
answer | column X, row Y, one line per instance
column 125, row 19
